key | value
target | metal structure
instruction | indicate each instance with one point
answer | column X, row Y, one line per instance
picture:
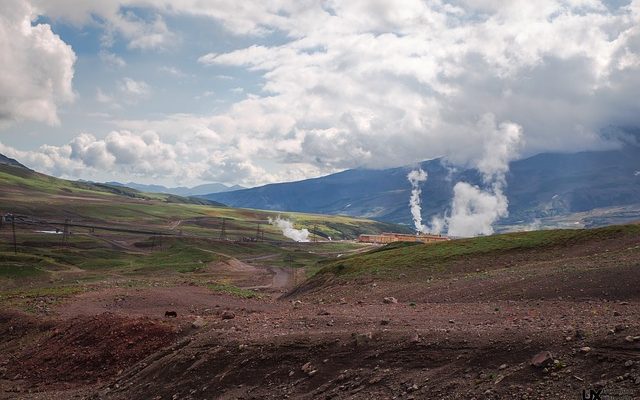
column 223, row 229
column 389, row 237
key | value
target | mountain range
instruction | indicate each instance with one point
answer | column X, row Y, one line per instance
column 184, row 191
column 600, row 186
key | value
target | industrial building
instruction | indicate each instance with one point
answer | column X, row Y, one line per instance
column 386, row 237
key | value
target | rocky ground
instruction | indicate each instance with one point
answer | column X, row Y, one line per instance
column 516, row 331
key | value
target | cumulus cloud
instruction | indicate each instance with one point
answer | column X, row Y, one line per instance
column 387, row 83
column 142, row 154
column 36, row 69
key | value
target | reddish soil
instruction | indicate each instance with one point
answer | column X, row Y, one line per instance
column 464, row 335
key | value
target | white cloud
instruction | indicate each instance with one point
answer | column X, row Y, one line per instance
column 112, row 59
column 142, row 154
column 36, row 68
column 133, row 90
column 172, row 71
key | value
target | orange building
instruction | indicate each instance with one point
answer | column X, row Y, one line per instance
column 387, row 237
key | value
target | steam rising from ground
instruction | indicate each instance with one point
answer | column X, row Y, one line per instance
column 416, row 177
column 474, row 210
column 299, row 235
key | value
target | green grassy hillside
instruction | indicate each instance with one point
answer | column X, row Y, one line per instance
column 488, row 252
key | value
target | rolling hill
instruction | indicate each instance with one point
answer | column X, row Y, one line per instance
column 29, row 193
column 591, row 188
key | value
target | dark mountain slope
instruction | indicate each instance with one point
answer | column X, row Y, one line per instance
column 540, row 186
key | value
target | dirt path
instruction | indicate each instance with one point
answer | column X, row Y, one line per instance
column 175, row 224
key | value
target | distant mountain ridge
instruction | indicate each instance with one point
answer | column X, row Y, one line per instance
column 543, row 186
column 184, row 191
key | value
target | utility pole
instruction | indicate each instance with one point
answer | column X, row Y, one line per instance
column 315, row 233
column 65, row 233
column 289, row 258
column 223, row 229
column 258, row 232
column 15, row 244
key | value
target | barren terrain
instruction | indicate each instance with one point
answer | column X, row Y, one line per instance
column 470, row 330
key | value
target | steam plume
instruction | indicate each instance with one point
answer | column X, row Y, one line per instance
column 475, row 210
column 416, row 177
column 299, row 235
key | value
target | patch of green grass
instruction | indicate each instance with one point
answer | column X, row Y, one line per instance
column 50, row 291
column 430, row 258
column 28, row 299
column 232, row 290
column 18, row 270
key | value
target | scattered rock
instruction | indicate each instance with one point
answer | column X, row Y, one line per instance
column 585, row 349
column 542, row 359
column 619, row 328
column 228, row 315
column 309, row 369
column 390, row 300
column 628, row 364
column 362, row 338
column 297, row 303
column 413, row 388
column 503, row 366
column 629, row 339
column 199, row 322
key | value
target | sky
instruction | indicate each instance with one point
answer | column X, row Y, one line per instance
column 253, row 92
